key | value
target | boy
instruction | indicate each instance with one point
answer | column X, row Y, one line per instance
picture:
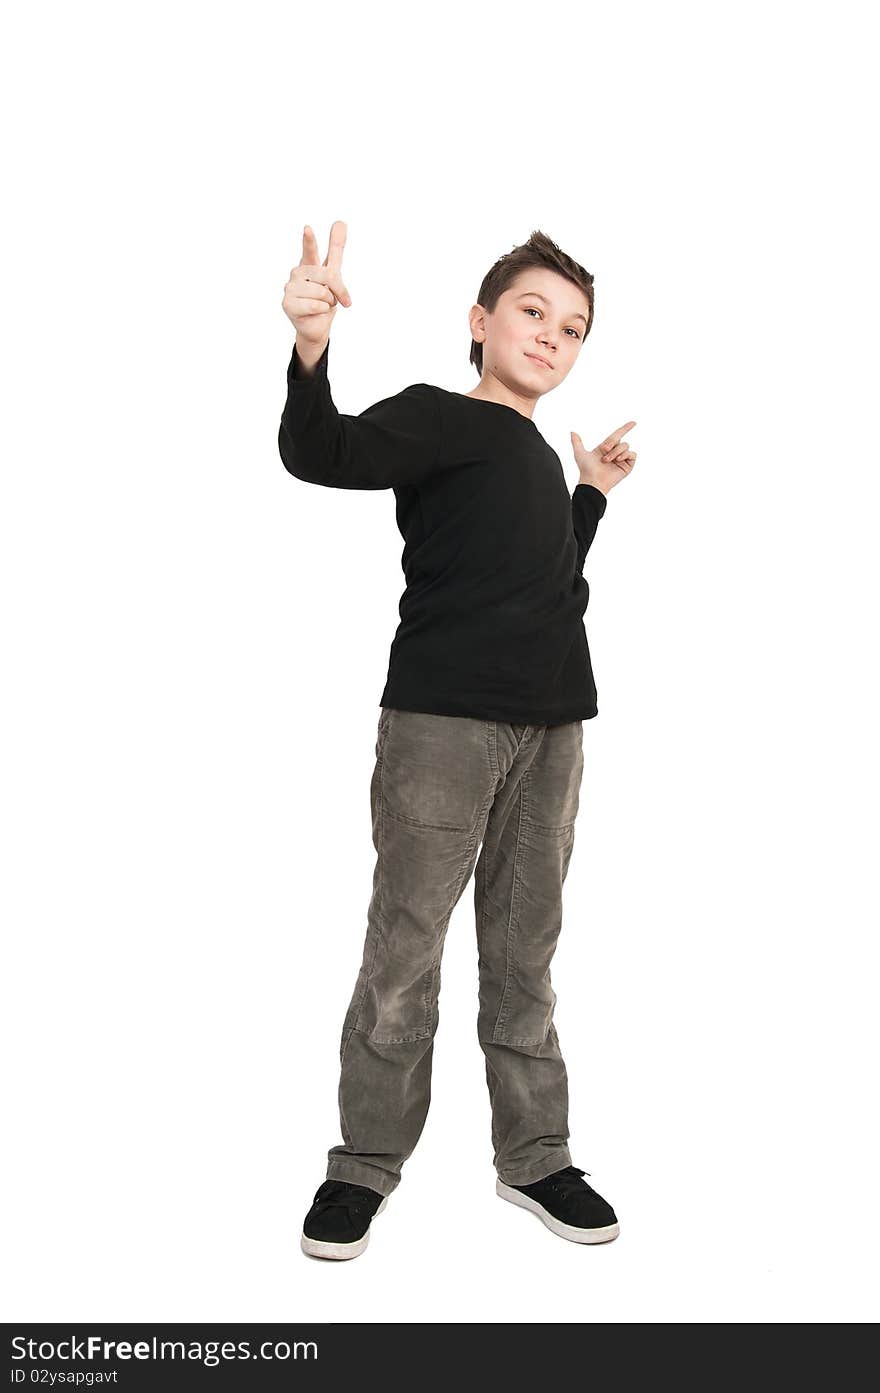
column 480, row 729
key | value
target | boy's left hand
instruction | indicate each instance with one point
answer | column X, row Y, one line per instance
column 608, row 463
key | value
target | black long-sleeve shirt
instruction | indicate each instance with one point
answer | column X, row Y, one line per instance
column 491, row 620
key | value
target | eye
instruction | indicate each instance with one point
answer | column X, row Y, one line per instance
column 528, row 309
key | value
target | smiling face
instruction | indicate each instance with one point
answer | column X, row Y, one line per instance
column 542, row 315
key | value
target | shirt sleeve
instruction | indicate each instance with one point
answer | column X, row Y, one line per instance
column 394, row 442
column 588, row 505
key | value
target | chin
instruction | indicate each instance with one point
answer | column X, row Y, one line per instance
column 552, row 374
column 531, row 385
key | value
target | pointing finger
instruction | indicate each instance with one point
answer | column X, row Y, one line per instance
column 616, row 436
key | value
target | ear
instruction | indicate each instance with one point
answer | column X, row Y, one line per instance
column 477, row 322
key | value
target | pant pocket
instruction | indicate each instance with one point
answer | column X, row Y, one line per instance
column 435, row 770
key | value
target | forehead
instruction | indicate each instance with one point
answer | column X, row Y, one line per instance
column 553, row 290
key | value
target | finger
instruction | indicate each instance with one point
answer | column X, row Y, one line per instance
column 325, row 275
column 338, row 233
column 616, row 435
column 338, row 287
column 301, row 305
column 316, row 287
column 315, row 277
column 310, row 251
column 318, row 293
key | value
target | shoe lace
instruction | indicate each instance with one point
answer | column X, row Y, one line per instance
column 338, row 1194
column 568, row 1181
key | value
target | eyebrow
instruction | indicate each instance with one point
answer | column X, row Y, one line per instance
column 536, row 295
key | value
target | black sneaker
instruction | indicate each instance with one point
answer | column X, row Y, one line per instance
column 338, row 1223
column 566, row 1204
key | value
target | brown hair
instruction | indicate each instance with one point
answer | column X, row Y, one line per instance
column 539, row 250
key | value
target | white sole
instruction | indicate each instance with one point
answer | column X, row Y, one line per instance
column 317, row 1248
column 569, row 1231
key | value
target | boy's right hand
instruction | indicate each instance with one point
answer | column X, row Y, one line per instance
column 313, row 290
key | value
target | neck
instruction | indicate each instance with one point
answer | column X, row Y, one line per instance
column 492, row 389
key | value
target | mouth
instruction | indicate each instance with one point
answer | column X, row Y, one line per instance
column 543, row 361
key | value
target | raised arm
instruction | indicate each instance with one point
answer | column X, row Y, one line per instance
column 600, row 470
column 588, row 505
column 394, row 442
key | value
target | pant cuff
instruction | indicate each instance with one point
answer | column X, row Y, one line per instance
column 358, row 1174
column 527, row 1175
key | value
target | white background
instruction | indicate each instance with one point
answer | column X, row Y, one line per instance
column 195, row 644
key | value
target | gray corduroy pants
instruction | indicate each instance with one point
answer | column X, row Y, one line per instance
column 441, row 787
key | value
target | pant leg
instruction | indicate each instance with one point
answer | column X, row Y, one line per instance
column 432, row 787
column 518, row 901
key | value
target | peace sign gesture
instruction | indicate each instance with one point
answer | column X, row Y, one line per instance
column 608, row 463
column 314, row 289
